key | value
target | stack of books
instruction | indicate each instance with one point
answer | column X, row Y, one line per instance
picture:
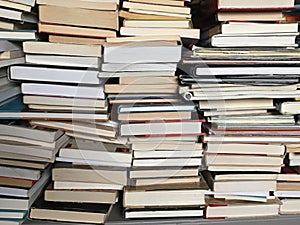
column 27, row 155
column 86, row 179
column 257, row 24
column 161, row 129
column 237, row 90
column 288, row 191
column 154, row 17
column 17, row 24
column 141, row 70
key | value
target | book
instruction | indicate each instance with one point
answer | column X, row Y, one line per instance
column 18, row 35
column 133, row 16
column 157, row 23
column 70, row 212
column 20, row 173
column 75, row 40
column 220, row 209
column 160, row 2
column 291, row 108
column 154, row 116
column 56, row 29
column 54, row 75
column 109, row 6
column 66, row 61
column 271, row 40
column 125, row 89
column 62, row 49
column 46, row 135
column 17, row 15
column 236, row 4
column 163, row 213
column 82, row 196
column 158, row 52
column 88, row 92
column 183, row 33
column 250, row 16
column 261, row 28
column 96, row 175
column 156, row 7
column 89, row 18
column 237, row 148
column 25, row 2
column 53, row 116
column 104, row 155
column 143, row 197
column 155, row 108
column 170, row 128
column 63, row 101
column 138, row 173
column 141, row 67
column 66, row 185
column 104, row 129
column 23, row 163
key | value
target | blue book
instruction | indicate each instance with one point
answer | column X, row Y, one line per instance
column 14, row 104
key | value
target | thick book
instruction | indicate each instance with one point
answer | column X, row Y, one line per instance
column 62, row 49
column 70, row 212
column 220, row 209
column 88, row 18
column 190, row 195
column 131, row 53
column 82, row 196
column 54, row 75
column 106, row 175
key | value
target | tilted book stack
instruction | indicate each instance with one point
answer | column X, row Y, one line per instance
column 27, row 155
column 17, row 24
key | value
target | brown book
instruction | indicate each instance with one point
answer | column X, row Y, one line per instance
column 79, row 17
column 11, row 54
column 82, row 4
column 15, row 182
column 75, row 31
column 83, row 196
